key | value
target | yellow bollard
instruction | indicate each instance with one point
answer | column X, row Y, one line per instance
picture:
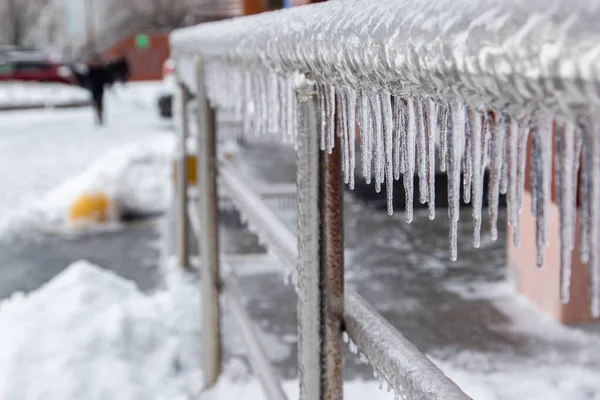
column 90, row 207
column 192, row 170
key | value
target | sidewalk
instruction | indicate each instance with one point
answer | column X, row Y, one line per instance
column 461, row 314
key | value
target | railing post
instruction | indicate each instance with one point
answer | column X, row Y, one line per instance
column 209, row 232
column 183, row 228
column 320, row 256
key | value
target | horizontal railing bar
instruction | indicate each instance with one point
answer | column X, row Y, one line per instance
column 261, row 365
column 405, row 368
column 259, row 215
column 486, row 51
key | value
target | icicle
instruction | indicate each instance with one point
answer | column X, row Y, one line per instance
column 388, row 131
column 264, row 81
column 421, row 149
column 375, row 103
column 497, row 159
column 323, row 113
column 343, row 132
column 330, row 103
column 274, row 104
column 476, row 124
column 512, row 147
column 523, row 137
column 398, row 125
column 429, row 118
column 594, row 237
column 366, row 135
column 454, row 132
column 504, row 172
column 564, row 156
column 585, row 193
column 409, row 151
column 468, row 159
column 352, row 132
column 542, row 174
column 292, row 112
column 443, row 122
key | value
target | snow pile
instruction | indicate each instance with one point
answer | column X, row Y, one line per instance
column 37, row 94
column 89, row 334
column 135, row 177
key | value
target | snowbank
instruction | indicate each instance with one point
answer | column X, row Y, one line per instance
column 135, row 177
column 36, row 94
column 89, row 334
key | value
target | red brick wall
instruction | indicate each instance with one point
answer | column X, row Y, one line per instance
column 144, row 64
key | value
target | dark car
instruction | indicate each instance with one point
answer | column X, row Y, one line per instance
column 32, row 66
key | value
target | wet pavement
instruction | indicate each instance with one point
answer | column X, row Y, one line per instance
column 447, row 309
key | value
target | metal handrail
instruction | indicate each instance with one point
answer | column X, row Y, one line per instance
column 543, row 52
column 406, row 369
column 261, row 365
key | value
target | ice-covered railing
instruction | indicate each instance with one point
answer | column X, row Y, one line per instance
column 474, row 81
column 463, row 86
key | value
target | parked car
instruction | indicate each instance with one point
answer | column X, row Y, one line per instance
column 32, row 65
column 165, row 97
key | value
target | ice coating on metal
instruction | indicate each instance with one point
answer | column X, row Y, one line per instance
column 498, row 52
column 399, row 362
column 483, row 79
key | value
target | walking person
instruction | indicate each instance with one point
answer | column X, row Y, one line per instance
column 99, row 74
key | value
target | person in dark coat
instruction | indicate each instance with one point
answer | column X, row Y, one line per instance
column 97, row 76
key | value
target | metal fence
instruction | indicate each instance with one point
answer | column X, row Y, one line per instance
column 472, row 80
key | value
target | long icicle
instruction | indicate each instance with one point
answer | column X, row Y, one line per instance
column 409, row 151
column 443, row 122
column 565, row 149
column 477, row 126
column 352, row 132
column 468, row 158
column 330, row 101
column 343, row 111
column 375, row 104
column 497, row 150
column 322, row 113
column 365, row 135
column 512, row 145
column 430, row 117
column 594, row 239
column 454, row 131
column 388, row 132
column 523, row 138
column 421, row 149
column 397, row 138
column 585, row 192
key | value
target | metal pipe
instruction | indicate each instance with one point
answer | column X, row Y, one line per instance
column 261, row 365
column 271, row 229
column 320, row 256
column 209, row 233
column 183, row 229
column 406, row 369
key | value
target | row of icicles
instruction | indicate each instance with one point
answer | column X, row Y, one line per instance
column 400, row 136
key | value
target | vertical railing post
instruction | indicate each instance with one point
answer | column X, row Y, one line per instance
column 183, row 226
column 209, row 232
column 320, row 256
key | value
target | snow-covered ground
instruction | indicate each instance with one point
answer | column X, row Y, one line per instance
column 27, row 94
column 49, row 156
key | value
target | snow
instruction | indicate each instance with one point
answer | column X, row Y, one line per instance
column 48, row 157
column 27, row 94
column 91, row 334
